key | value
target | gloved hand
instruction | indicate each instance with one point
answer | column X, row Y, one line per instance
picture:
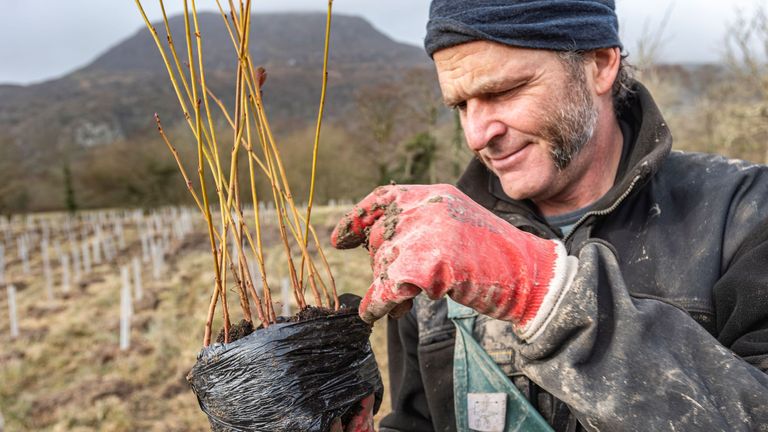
column 361, row 422
column 437, row 240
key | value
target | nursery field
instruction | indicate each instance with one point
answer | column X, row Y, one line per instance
column 102, row 316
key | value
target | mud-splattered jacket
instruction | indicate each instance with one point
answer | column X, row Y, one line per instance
column 665, row 326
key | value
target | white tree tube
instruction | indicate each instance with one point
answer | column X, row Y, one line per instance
column 138, row 291
column 47, row 269
column 11, row 289
column 2, row 264
column 126, row 309
column 86, row 258
column 66, row 282
column 285, row 293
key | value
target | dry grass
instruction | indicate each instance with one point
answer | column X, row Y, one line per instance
column 66, row 373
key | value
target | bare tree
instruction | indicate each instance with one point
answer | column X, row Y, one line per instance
column 381, row 108
column 14, row 196
column 743, row 95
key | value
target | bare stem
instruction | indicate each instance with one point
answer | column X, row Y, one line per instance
column 178, row 161
column 201, row 173
column 249, row 118
column 316, row 145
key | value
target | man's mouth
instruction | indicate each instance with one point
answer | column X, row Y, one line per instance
column 508, row 160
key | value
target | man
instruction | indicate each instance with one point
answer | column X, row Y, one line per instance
column 582, row 276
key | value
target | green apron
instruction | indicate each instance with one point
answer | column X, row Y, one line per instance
column 485, row 398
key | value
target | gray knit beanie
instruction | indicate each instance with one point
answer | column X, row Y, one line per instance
column 559, row 25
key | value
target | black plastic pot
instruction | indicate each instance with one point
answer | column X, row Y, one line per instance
column 288, row 377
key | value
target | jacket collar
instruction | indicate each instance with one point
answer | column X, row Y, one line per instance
column 649, row 147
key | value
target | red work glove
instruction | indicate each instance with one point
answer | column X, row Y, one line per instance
column 361, row 422
column 437, row 240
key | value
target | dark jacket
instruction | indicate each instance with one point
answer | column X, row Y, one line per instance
column 665, row 326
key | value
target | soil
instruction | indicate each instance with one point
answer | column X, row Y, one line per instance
column 347, row 238
column 237, row 331
column 312, row 312
column 390, row 221
column 244, row 328
column 19, row 285
column 148, row 302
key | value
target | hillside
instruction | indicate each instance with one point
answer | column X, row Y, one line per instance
column 65, row 370
column 114, row 97
column 278, row 39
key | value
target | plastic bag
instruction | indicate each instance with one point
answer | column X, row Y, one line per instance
column 288, row 377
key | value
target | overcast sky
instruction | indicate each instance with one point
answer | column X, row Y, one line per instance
column 43, row 39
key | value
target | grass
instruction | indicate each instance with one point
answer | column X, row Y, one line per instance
column 66, row 373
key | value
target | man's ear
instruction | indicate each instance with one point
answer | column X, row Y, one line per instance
column 605, row 68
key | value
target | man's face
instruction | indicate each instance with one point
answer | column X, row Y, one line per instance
column 525, row 114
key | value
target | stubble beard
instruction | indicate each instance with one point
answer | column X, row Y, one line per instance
column 569, row 126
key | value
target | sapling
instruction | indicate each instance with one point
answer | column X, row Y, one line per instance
column 126, row 309
column 252, row 138
column 144, row 244
column 86, row 258
column 138, row 290
column 285, row 293
column 23, row 251
column 72, row 238
column 46, row 230
column 120, row 234
column 11, row 290
column 106, row 247
column 187, row 222
column 178, row 231
column 166, row 238
column 4, row 224
column 76, row 262
column 47, row 269
column 84, row 238
column 66, row 282
column 153, row 252
column 57, row 248
column 2, row 264
column 96, row 244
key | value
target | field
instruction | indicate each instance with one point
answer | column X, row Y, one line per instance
column 65, row 370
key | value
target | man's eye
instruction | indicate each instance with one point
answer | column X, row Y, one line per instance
column 461, row 106
column 504, row 93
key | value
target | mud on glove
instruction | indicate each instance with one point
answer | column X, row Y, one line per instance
column 437, row 240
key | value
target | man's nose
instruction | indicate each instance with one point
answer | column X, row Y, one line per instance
column 481, row 124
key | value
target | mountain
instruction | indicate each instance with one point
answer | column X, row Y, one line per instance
column 279, row 39
column 116, row 95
